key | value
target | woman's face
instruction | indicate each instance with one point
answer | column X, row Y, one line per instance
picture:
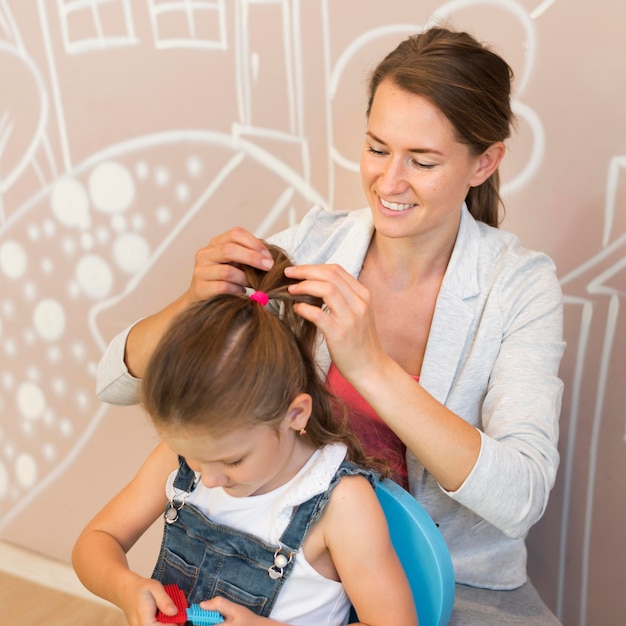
column 415, row 173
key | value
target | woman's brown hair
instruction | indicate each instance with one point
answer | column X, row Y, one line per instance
column 230, row 362
column 469, row 83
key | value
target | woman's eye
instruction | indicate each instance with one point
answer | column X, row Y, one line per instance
column 376, row 152
column 234, row 463
column 423, row 166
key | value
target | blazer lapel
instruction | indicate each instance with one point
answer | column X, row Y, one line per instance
column 454, row 312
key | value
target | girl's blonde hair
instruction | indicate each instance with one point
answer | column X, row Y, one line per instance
column 231, row 361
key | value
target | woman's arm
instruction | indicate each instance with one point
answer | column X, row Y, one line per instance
column 511, row 482
column 443, row 442
column 504, row 474
column 99, row 555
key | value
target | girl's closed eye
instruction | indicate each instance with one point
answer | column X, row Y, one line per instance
column 234, row 463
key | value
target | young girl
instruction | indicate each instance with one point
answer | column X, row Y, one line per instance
column 268, row 516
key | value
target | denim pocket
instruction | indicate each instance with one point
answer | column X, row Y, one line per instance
column 240, row 596
column 172, row 569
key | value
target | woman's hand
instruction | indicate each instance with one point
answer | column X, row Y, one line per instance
column 346, row 321
column 216, row 268
column 216, row 271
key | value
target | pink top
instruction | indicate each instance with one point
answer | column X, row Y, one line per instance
column 375, row 436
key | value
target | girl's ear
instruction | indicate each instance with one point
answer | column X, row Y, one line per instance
column 299, row 411
column 488, row 163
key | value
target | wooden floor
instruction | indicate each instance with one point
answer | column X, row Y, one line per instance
column 25, row 603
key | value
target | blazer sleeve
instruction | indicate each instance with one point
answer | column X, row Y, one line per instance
column 114, row 383
column 519, row 418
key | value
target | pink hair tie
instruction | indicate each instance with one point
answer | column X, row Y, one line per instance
column 261, row 297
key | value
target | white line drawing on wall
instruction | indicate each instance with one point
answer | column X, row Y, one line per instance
column 11, row 171
column 84, row 28
column 610, row 261
column 204, row 24
column 541, row 8
column 616, row 170
column 102, row 241
column 247, row 69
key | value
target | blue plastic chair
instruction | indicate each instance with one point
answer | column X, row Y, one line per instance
column 422, row 552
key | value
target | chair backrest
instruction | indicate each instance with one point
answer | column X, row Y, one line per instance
column 422, row 552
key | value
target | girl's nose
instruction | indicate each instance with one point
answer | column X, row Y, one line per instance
column 213, row 477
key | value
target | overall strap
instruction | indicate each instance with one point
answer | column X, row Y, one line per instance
column 307, row 513
column 185, row 479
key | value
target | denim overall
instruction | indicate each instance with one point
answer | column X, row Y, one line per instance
column 206, row 559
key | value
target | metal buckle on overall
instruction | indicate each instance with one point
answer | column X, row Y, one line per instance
column 281, row 559
column 173, row 506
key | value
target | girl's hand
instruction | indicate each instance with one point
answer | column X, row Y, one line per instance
column 216, row 265
column 143, row 599
column 346, row 321
column 233, row 613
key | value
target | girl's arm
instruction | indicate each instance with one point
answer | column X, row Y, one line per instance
column 358, row 540
column 99, row 555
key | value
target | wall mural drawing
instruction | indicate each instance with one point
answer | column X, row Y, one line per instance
column 131, row 132
column 602, row 276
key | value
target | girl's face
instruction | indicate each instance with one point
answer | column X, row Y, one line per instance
column 415, row 173
column 247, row 461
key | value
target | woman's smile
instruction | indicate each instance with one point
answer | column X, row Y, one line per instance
column 396, row 206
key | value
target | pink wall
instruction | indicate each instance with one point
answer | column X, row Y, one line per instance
column 130, row 135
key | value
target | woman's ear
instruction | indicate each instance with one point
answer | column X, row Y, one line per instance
column 487, row 163
column 299, row 411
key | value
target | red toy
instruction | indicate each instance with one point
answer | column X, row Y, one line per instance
column 180, row 601
column 186, row 613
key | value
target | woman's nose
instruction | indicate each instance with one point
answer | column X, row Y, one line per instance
column 392, row 179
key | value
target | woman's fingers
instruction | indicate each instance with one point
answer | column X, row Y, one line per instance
column 340, row 291
column 237, row 245
column 346, row 320
column 217, row 265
